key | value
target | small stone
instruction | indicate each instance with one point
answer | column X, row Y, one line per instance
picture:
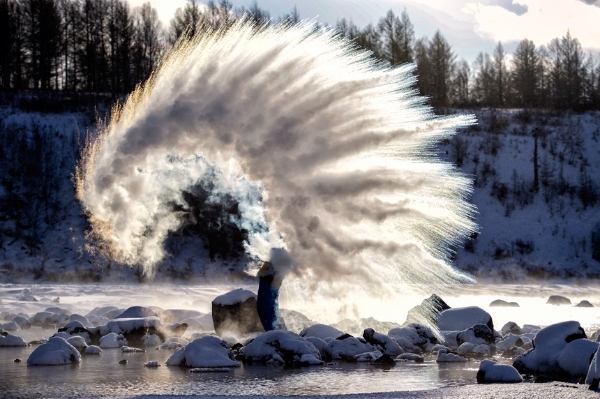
column 124, row 361
column 17, row 360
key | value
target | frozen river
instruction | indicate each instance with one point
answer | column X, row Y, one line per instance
column 104, row 376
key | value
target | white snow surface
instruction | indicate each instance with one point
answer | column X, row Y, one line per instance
column 56, row 351
column 204, row 352
column 576, row 356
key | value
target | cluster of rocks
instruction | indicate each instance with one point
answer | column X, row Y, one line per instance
column 558, row 352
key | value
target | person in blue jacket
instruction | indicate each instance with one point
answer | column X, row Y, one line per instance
column 271, row 275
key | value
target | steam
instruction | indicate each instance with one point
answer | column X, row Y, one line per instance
column 329, row 153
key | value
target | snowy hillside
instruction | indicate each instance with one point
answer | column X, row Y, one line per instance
column 553, row 231
column 549, row 231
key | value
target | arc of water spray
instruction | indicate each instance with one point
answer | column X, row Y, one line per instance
column 339, row 146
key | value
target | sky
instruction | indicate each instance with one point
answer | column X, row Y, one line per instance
column 469, row 26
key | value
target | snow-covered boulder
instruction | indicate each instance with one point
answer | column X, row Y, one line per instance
column 458, row 319
column 447, row 357
column 511, row 328
column 56, row 351
column 8, row 339
column 151, row 340
column 78, row 342
column 509, row 342
column 347, row 348
column 468, row 349
column 235, row 313
column 174, row 343
column 383, row 343
column 492, row 372
column 112, row 340
column 281, row 347
column 478, row 334
column 135, row 329
column 318, row 343
column 322, row 331
column 593, row 375
column 22, row 322
column 131, row 349
column 93, row 350
column 82, row 319
column 548, row 345
column 414, row 338
column 10, row 326
column 137, row 312
column 427, row 312
column 204, row 352
column 574, row 360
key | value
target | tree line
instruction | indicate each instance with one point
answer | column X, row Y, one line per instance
column 105, row 47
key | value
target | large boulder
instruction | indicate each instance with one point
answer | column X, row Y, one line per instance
column 414, row 338
column 458, row 319
column 427, row 312
column 56, row 351
column 322, row 331
column 383, row 343
column 204, row 352
column 284, row 347
column 235, row 313
column 347, row 347
column 548, row 344
column 492, row 372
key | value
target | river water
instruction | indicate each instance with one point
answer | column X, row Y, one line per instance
column 103, row 375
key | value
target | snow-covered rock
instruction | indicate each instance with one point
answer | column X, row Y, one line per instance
column 93, row 350
column 548, row 345
column 446, row 357
column 204, row 352
column 458, row 319
column 279, row 346
column 22, row 322
column 593, row 375
column 478, row 334
column 54, row 352
column 318, row 343
column 383, row 343
column 82, row 319
column 235, row 313
column 511, row 328
column 347, row 348
column 414, row 338
column 78, row 342
column 322, row 331
column 10, row 326
column 151, row 340
column 174, row 343
column 112, row 340
column 8, row 339
column 509, row 342
column 427, row 311
column 131, row 349
column 574, row 360
column 468, row 349
column 137, row 312
column 492, row 372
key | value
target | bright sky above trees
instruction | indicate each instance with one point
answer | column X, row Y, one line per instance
column 470, row 26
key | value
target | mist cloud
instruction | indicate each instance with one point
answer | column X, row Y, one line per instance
column 338, row 147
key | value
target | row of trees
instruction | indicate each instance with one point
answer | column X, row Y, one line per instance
column 559, row 75
column 102, row 46
column 99, row 46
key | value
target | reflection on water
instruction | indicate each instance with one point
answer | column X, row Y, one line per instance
column 103, row 375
